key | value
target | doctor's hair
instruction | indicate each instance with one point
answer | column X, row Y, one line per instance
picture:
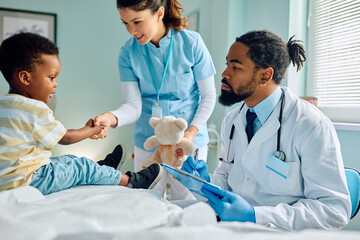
column 266, row 49
column 172, row 15
column 23, row 51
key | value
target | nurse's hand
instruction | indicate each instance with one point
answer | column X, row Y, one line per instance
column 199, row 168
column 105, row 121
column 232, row 207
column 189, row 134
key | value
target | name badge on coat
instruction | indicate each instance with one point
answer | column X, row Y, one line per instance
column 277, row 166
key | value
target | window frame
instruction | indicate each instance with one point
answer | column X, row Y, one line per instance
column 342, row 114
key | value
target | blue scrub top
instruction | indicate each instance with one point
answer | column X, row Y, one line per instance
column 190, row 61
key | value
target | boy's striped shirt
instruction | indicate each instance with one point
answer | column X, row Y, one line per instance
column 28, row 130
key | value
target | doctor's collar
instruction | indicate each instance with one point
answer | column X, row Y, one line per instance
column 264, row 108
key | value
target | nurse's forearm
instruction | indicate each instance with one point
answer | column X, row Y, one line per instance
column 191, row 132
column 207, row 103
column 130, row 110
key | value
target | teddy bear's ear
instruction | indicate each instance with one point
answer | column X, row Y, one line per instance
column 154, row 121
column 181, row 123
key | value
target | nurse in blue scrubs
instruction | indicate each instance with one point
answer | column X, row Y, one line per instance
column 165, row 70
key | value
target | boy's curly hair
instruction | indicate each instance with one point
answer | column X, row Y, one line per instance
column 23, row 51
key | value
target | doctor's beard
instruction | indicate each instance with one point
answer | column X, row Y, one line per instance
column 228, row 98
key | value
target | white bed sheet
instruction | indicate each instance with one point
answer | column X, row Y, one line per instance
column 112, row 212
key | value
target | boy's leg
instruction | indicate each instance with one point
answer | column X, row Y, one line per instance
column 68, row 171
column 146, row 178
column 116, row 158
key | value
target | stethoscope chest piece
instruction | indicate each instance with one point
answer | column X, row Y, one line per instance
column 280, row 155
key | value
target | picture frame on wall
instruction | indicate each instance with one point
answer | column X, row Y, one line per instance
column 13, row 21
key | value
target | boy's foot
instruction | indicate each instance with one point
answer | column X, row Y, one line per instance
column 146, row 178
column 116, row 158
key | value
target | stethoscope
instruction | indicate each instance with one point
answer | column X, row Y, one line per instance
column 278, row 154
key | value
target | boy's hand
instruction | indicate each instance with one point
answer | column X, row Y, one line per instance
column 102, row 134
column 75, row 135
column 89, row 123
column 96, row 129
column 105, row 121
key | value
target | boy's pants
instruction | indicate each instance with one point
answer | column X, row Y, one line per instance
column 68, row 171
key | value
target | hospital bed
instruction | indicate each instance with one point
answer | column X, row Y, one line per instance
column 113, row 212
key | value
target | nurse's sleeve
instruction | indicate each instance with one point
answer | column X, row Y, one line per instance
column 207, row 102
column 130, row 110
column 203, row 65
column 125, row 64
column 326, row 203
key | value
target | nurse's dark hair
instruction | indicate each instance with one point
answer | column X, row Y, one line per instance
column 173, row 9
column 23, row 51
column 266, row 49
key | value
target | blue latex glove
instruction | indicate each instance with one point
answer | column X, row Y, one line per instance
column 199, row 168
column 232, row 207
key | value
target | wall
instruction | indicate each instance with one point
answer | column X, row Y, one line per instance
column 89, row 35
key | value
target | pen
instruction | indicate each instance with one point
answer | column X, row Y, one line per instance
column 196, row 158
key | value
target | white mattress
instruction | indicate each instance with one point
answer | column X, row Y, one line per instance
column 112, row 212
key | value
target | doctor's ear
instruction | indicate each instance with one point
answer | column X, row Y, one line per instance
column 267, row 75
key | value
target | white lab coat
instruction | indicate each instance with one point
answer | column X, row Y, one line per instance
column 314, row 195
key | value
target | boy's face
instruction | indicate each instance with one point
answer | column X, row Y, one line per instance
column 42, row 80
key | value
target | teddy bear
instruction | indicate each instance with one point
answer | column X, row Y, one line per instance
column 169, row 136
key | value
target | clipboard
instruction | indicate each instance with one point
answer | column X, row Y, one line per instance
column 191, row 182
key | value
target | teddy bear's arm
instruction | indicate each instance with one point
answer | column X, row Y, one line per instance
column 187, row 146
column 151, row 143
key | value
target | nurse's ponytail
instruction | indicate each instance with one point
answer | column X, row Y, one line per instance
column 173, row 16
column 173, row 9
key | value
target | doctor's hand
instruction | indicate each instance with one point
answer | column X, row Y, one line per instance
column 232, row 207
column 199, row 168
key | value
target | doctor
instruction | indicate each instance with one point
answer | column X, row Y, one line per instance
column 284, row 169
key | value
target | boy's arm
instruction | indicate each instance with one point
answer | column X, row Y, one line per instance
column 76, row 135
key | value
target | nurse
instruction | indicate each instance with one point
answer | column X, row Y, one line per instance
column 165, row 70
column 281, row 161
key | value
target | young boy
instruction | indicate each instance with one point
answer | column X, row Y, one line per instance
column 28, row 129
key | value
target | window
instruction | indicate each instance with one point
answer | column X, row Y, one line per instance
column 334, row 58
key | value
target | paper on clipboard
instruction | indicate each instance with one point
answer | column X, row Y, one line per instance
column 192, row 182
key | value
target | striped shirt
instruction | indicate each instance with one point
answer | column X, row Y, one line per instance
column 28, row 130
